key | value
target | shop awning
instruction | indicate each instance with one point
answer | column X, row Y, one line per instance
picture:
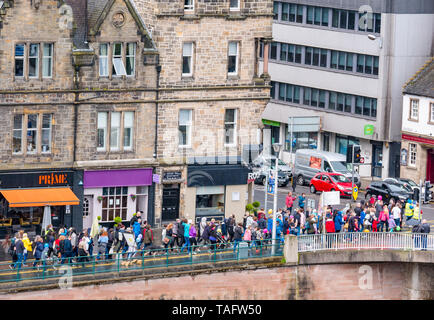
column 39, row 197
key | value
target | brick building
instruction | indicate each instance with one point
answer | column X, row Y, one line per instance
column 108, row 93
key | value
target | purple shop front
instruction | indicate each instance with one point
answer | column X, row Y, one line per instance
column 115, row 193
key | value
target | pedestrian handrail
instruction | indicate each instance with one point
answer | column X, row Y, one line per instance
column 366, row 240
column 139, row 260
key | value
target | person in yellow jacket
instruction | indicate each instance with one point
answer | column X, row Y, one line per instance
column 416, row 211
column 408, row 212
column 27, row 245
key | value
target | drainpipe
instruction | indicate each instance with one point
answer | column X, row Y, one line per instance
column 76, row 99
column 158, row 68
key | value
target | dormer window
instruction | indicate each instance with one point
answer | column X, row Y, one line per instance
column 122, row 62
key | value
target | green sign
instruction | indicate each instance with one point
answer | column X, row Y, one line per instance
column 369, row 130
column 271, row 123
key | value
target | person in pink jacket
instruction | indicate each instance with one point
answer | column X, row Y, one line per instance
column 289, row 201
column 248, row 235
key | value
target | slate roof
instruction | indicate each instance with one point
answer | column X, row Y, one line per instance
column 422, row 83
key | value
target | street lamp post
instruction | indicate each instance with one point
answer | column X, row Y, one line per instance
column 277, row 147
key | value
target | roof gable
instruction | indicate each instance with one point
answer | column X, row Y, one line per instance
column 422, row 83
column 99, row 10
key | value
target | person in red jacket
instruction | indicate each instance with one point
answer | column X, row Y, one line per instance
column 289, row 201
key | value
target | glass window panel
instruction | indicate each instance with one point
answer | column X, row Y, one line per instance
column 292, row 8
column 184, row 117
column 276, row 10
column 111, row 191
column 332, row 100
column 131, row 59
column 377, row 17
column 340, row 105
column 368, row 64
column 298, row 50
column 348, row 103
column 18, row 121
column 118, row 67
column 285, row 11
column 299, row 13
column 309, row 19
column 308, row 55
column 273, row 90
column 322, row 98
column 374, row 108
column 325, row 17
column 296, row 98
column 234, row 4
column 125, row 190
column 314, row 100
column 315, row 60
column 359, row 105
column 343, row 19
column 47, row 60
column 317, row 19
column 367, row 107
column 117, row 50
column 282, row 90
column 375, row 69
column 34, row 60
column 273, row 51
column 334, row 60
column 306, row 99
column 342, row 58
column 17, row 133
column 289, row 92
column 323, row 61
column 114, row 130
column 32, row 121
column 291, row 52
column 229, row 115
column 335, row 18
column 103, row 60
column 283, row 51
column 360, row 63
column 351, row 20
column 233, row 47
column 349, row 66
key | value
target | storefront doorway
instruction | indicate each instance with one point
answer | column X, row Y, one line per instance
column 170, row 207
column 430, row 166
column 377, row 159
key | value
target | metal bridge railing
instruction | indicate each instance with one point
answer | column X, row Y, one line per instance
column 365, row 240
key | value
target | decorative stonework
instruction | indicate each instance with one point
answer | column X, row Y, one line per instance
column 118, row 19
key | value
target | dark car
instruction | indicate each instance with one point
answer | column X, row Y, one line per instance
column 283, row 178
column 388, row 191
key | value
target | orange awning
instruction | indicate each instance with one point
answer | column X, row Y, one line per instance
column 40, row 197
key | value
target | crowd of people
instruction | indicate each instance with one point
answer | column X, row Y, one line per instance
column 66, row 245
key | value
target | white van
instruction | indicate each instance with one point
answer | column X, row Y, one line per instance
column 309, row 162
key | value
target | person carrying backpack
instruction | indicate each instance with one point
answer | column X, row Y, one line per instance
column 192, row 234
column 65, row 248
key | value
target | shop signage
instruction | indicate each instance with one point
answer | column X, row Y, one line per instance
column 304, row 124
column 271, row 123
column 368, row 129
column 156, row 178
column 252, row 176
column 172, row 176
column 26, row 179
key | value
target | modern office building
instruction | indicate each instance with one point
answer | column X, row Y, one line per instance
column 346, row 62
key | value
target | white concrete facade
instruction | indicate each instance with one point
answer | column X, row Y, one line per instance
column 403, row 46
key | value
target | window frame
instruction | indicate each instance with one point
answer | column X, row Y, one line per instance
column 234, row 123
column 410, row 115
column 189, row 7
column 21, row 130
column 50, row 58
column 133, row 56
column 188, row 130
column 431, row 113
column 191, row 59
column 36, row 58
column 235, row 73
column 237, row 8
column 412, row 150
column 107, row 126
column 104, row 57
column 50, row 132
column 100, row 127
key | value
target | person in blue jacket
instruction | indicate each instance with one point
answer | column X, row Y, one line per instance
column 361, row 219
column 186, row 226
column 339, row 221
column 301, row 200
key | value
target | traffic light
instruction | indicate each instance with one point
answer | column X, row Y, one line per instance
column 357, row 154
column 428, row 192
column 350, row 154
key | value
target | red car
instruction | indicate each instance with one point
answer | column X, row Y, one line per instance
column 326, row 181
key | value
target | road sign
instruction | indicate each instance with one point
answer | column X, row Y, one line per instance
column 362, row 160
column 355, row 192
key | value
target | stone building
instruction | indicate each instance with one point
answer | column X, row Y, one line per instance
column 99, row 98
column 417, row 154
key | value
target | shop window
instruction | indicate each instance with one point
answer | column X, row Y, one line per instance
column 326, row 141
column 114, row 203
column 302, row 140
column 85, row 207
column 121, row 128
column 210, row 201
column 343, row 142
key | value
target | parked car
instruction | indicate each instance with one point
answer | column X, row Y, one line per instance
column 283, row 179
column 410, row 185
column 326, row 181
column 388, row 191
column 263, row 164
column 310, row 162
